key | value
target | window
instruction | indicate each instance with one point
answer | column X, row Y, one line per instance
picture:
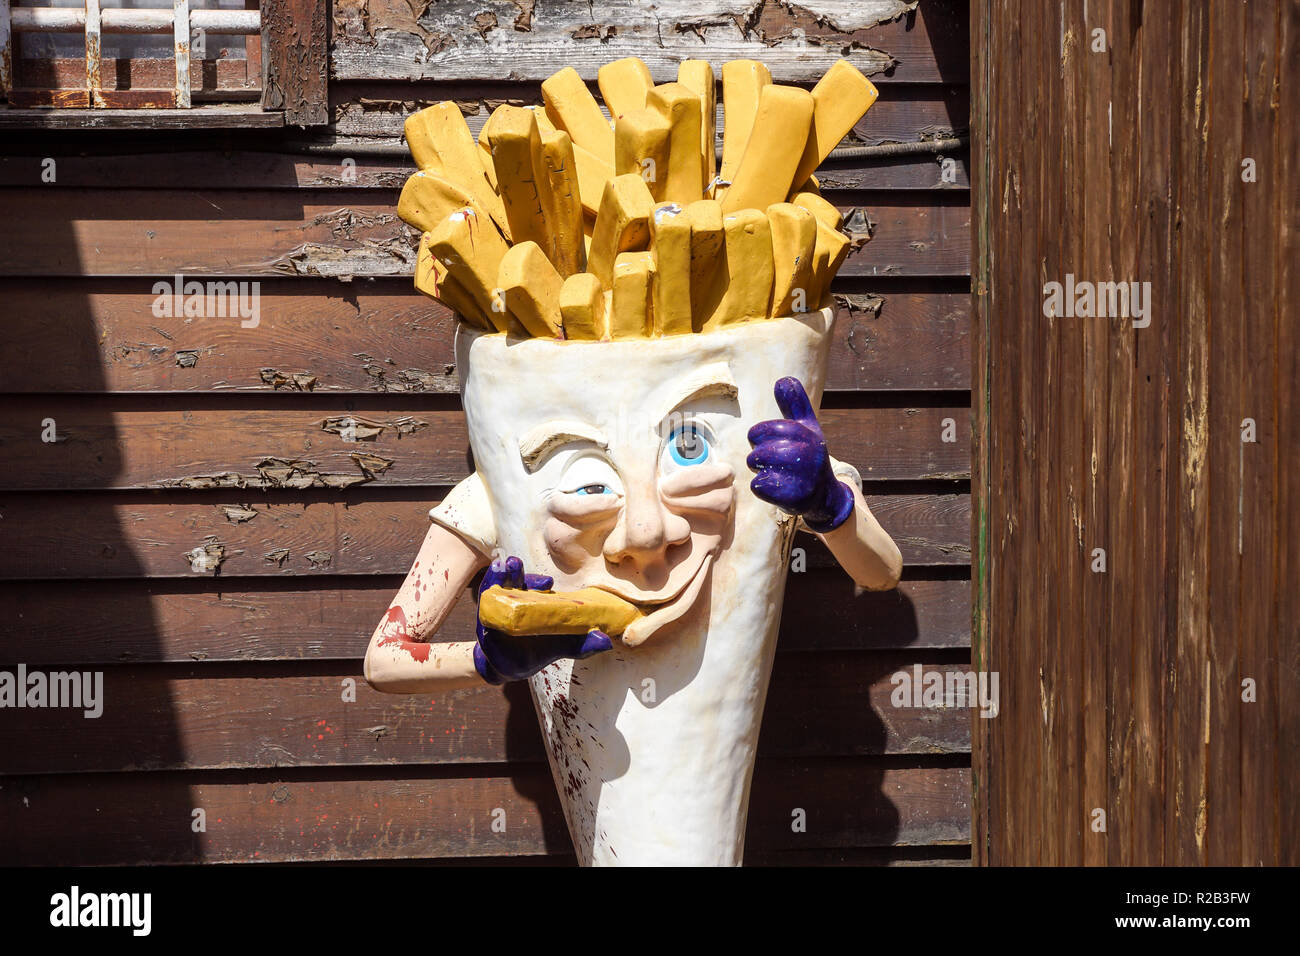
column 201, row 55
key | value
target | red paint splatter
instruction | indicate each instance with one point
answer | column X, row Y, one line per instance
column 396, row 632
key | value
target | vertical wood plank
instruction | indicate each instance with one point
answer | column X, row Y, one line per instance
column 6, row 49
column 1124, row 126
column 1185, row 819
column 1258, row 224
column 982, row 549
column 1285, row 638
column 1052, row 562
column 93, row 82
column 1094, row 79
column 295, row 60
column 181, row 48
column 253, row 52
column 1225, row 89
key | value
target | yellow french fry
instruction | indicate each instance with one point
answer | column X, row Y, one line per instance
column 516, row 147
column 573, row 109
column 526, row 613
column 708, row 258
column 471, row 249
column 684, row 178
column 840, row 99
column 623, row 85
column 562, row 204
column 631, row 311
column 427, row 199
column 420, row 142
column 530, row 288
column 461, row 160
column 582, row 307
column 794, row 240
column 742, row 81
column 432, row 278
column 775, row 147
column 485, row 148
column 697, row 76
column 593, row 174
column 641, row 139
column 670, row 241
column 543, row 120
column 749, row 267
column 828, row 255
column 811, row 185
column 622, row 225
column 824, row 211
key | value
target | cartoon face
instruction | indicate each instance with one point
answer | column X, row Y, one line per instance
column 638, row 513
column 621, row 465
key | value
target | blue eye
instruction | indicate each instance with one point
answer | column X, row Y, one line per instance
column 594, row 489
column 688, row 446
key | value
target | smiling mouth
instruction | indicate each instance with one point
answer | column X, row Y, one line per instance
column 665, row 610
column 650, row 603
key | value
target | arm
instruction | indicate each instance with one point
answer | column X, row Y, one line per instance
column 399, row 660
column 864, row 549
column 794, row 473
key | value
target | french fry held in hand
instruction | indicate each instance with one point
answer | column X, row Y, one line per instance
column 561, row 222
column 530, row 613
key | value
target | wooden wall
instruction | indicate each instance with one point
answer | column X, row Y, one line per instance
column 1123, row 690
column 202, row 532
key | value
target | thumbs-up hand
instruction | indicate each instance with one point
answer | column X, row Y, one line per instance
column 792, row 465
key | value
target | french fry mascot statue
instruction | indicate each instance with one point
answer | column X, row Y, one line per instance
column 643, row 343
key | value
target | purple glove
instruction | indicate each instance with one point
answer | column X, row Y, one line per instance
column 500, row 657
column 792, row 464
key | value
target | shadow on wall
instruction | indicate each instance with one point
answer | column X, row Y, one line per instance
column 74, row 599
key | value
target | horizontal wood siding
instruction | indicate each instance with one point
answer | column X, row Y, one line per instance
column 202, row 531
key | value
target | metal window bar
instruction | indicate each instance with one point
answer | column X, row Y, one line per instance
column 95, row 21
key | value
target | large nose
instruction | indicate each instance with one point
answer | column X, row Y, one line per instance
column 644, row 532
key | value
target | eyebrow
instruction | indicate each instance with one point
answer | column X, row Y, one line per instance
column 712, row 379
column 543, row 439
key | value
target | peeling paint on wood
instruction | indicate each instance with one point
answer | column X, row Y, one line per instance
column 379, row 109
column 859, row 227
column 351, row 428
column 206, row 557
column 295, row 54
column 317, row 336
column 238, row 514
column 296, row 381
column 180, row 447
column 118, row 536
column 279, row 233
column 463, row 40
column 865, row 303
